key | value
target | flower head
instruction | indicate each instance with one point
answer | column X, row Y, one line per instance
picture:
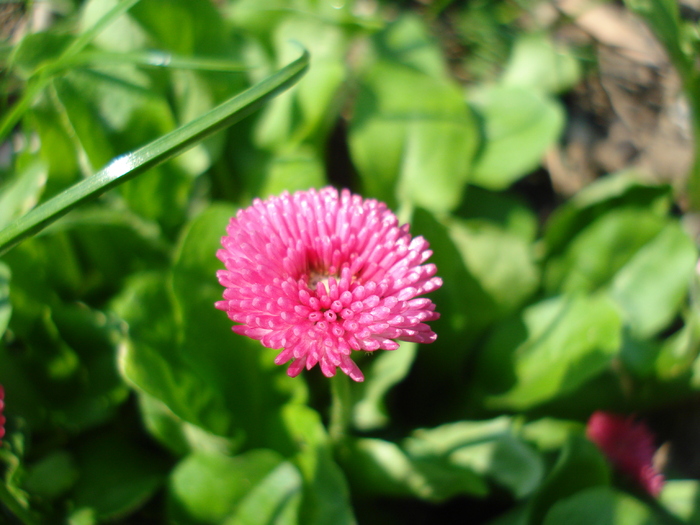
column 629, row 445
column 319, row 274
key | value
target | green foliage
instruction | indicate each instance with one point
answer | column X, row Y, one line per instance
column 130, row 400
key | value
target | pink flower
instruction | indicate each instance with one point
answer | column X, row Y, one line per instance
column 319, row 274
column 629, row 446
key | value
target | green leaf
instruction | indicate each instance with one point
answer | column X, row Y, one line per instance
column 52, row 476
column 580, row 466
column 209, row 346
column 682, row 499
column 412, row 137
column 21, row 194
column 64, row 376
column 652, row 286
column 326, row 498
column 273, row 501
column 378, row 467
column 36, row 49
column 626, row 189
column 409, row 41
column 298, row 169
column 502, row 262
column 600, row 250
column 507, row 211
column 153, row 362
column 476, row 259
column 385, row 371
column 306, row 114
column 555, row 347
column 163, row 148
column 488, row 448
column 208, row 487
column 116, row 475
column 538, row 64
column 519, row 126
column 603, row 506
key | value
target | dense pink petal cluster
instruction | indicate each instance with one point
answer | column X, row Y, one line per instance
column 629, row 445
column 319, row 274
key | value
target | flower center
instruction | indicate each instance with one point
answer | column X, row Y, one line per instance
column 317, row 277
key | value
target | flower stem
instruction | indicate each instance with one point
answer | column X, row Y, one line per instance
column 11, row 503
column 341, row 408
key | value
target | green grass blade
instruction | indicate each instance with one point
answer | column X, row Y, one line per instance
column 152, row 59
column 132, row 164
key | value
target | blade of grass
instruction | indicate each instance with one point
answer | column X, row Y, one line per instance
column 151, row 59
column 132, row 164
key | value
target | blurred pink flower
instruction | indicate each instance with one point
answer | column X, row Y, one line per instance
column 319, row 274
column 629, row 445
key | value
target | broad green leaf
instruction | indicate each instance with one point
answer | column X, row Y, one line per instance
column 378, row 467
column 412, row 137
column 520, row 124
column 192, row 26
column 64, row 377
column 116, row 475
column 599, row 251
column 549, row 434
column 208, row 344
column 507, row 211
column 122, row 35
column 480, row 261
column 163, row 148
column 52, row 476
column 178, row 435
column 57, row 152
column 488, row 448
column 536, row 62
column 369, row 413
column 555, row 347
column 152, row 359
column 580, row 466
column 502, row 262
column 83, row 125
column 19, row 195
column 208, row 487
column 299, row 169
column 273, row 501
column 602, row 506
column 409, row 41
column 36, row 49
column 306, row 114
column 652, row 286
column 682, row 499
column 326, row 499
column 624, row 189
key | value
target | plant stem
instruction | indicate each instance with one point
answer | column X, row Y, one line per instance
column 341, row 408
column 13, row 506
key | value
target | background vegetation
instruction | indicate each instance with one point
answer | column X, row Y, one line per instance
column 545, row 149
